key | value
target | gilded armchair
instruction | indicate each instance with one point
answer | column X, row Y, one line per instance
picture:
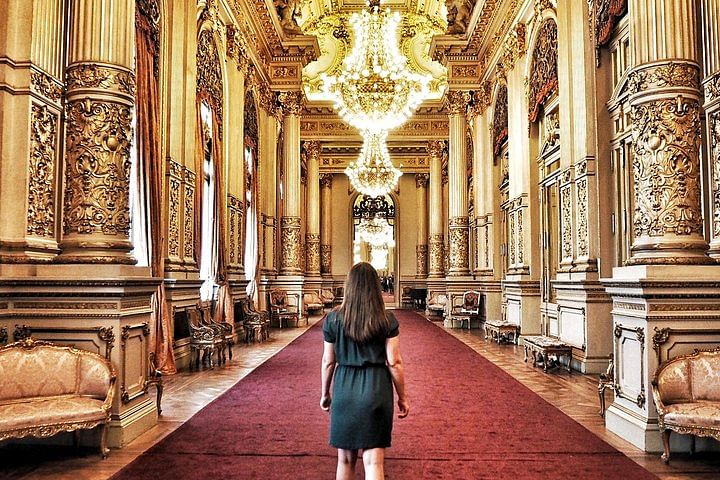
column 255, row 323
column 284, row 307
column 223, row 332
column 203, row 340
column 465, row 308
column 313, row 302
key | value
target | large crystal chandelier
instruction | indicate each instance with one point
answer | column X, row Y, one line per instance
column 375, row 90
column 373, row 172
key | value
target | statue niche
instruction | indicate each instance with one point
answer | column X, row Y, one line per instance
column 287, row 10
column 458, row 15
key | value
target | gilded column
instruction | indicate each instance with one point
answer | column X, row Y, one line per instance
column 711, row 83
column 99, row 111
column 312, row 235
column 436, row 269
column 326, row 224
column 457, row 103
column 665, row 108
column 291, row 103
column 421, row 184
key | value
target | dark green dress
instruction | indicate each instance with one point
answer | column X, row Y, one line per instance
column 361, row 412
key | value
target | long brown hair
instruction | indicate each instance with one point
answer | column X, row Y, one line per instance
column 363, row 309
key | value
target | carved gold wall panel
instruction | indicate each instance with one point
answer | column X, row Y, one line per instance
column 544, row 79
column 189, row 216
column 209, row 75
column 41, row 174
column 175, row 179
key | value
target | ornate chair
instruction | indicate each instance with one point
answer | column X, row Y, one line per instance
column 155, row 378
column 607, row 380
column 223, row 332
column 327, row 297
column 406, row 298
column 436, row 304
column 203, row 339
column 313, row 302
column 339, row 295
column 255, row 323
column 285, row 307
column 468, row 309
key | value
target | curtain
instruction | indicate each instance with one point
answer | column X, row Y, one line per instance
column 252, row 250
column 148, row 142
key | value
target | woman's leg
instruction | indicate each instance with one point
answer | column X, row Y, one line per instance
column 346, row 464
column 374, row 462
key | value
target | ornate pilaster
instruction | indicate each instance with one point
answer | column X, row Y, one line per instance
column 326, row 224
column 711, row 85
column 99, row 111
column 436, row 149
column 457, row 103
column 312, row 237
column 291, row 103
column 421, row 183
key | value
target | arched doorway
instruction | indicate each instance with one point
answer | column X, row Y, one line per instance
column 374, row 234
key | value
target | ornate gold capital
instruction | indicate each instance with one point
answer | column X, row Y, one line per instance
column 422, row 180
column 435, row 148
column 326, row 180
column 312, row 149
column 457, row 101
column 291, row 102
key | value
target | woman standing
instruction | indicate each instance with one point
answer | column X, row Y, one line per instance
column 362, row 340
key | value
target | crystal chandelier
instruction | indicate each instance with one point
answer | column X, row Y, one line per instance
column 373, row 172
column 375, row 90
column 377, row 232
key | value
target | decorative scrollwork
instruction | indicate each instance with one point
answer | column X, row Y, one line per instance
column 660, row 337
column 544, row 81
column 290, row 244
column 312, row 252
column 97, row 184
column 90, row 75
column 457, row 101
column 45, row 85
column 147, row 17
column 22, row 332
column 582, row 217
column 437, row 261
column 607, row 13
column 209, row 75
column 422, row 260
column 458, row 232
column 41, row 178
column 500, row 119
column 371, row 207
column 325, row 259
column 107, row 335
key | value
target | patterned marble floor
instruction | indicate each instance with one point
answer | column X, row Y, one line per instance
column 188, row 392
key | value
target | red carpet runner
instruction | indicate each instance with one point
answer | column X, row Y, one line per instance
column 468, row 420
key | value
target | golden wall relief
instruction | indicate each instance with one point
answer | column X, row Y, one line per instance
column 566, row 201
column 544, row 79
column 99, row 134
column 41, row 175
column 422, row 260
column 606, row 14
column 512, row 241
column 714, row 128
column 520, row 236
column 189, row 217
column 209, row 75
column 45, row 85
column 581, row 191
column 290, row 254
column 148, row 16
column 712, row 88
column 174, row 184
column 500, row 119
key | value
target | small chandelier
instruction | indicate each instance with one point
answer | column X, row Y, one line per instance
column 375, row 90
column 377, row 232
column 373, row 172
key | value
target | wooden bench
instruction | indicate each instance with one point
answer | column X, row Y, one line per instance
column 542, row 348
column 500, row 330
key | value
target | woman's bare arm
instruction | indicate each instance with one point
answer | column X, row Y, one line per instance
column 397, row 372
column 328, row 368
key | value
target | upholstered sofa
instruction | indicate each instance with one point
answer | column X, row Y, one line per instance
column 313, row 302
column 47, row 389
column 686, row 390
